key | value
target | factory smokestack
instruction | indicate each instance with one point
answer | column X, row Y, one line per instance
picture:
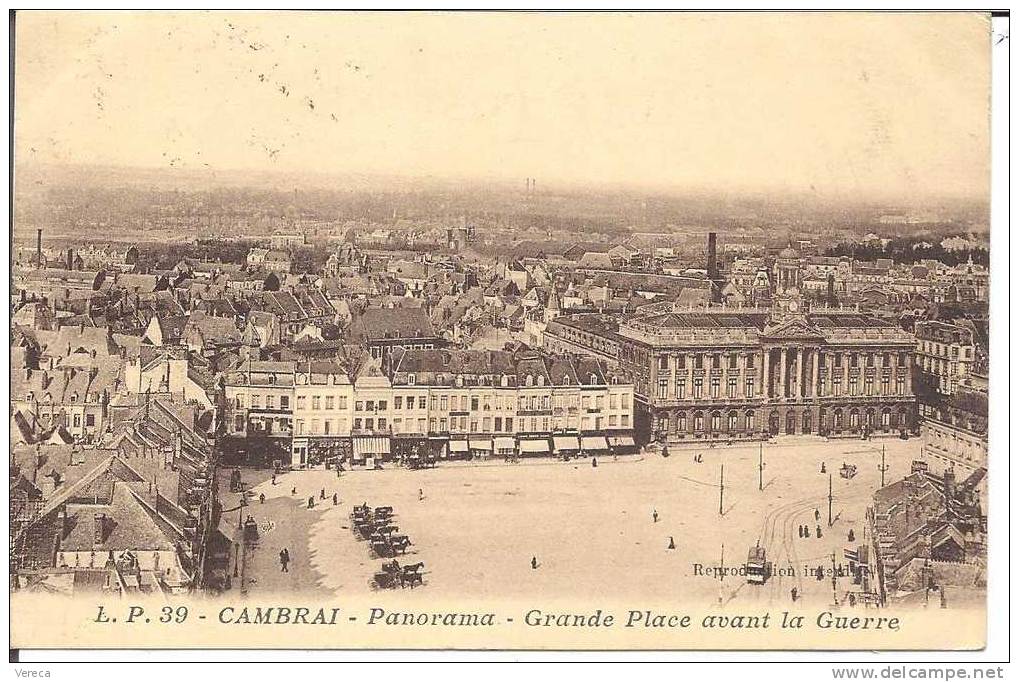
column 716, row 286
column 70, row 259
column 38, row 248
column 832, row 301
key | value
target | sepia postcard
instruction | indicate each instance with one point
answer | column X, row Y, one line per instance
column 500, row 330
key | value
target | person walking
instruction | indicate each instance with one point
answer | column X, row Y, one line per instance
column 274, row 479
column 261, row 498
column 311, row 502
column 284, row 560
column 336, row 500
column 293, row 491
column 534, row 562
column 672, row 543
column 421, row 494
column 819, row 531
column 322, row 494
column 799, row 530
column 654, row 515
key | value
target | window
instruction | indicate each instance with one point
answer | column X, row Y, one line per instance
column 698, row 362
column 239, row 402
column 300, row 426
column 509, row 423
column 328, row 426
column 474, row 403
column 716, row 361
column 498, row 423
column 343, row 402
column 716, row 421
column 748, row 421
column 270, row 402
column 663, row 388
column 410, row 402
column 884, row 385
column 732, row 387
column 868, row 384
column 681, row 421
column 854, row 360
column 330, row 402
column 715, row 384
column 663, row 363
column 77, row 420
column 900, row 385
column 698, row 421
column 357, row 423
column 358, row 406
column 733, row 421
column 284, row 402
column 625, row 420
column 90, row 420
column 853, row 389
column 681, row 388
column 732, row 361
column 256, row 401
column 383, row 404
column 680, row 362
column 369, row 406
column 870, row 359
column 443, row 403
column 442, row 424
column 421, row 403
column 314, row 426
column 698, row 384
column 836, row 387
column 382, row 423
column 398, row 402
column 750, row 388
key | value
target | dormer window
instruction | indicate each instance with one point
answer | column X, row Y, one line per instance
column 529, row 381
column 411, row 379
column 541, row 380
column 594, row 378
column 566, row 380
column 505, row 380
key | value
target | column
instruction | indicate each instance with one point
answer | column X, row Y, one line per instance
column 784, row 369
column 765, row 372
column 814, row 373
column 800, row 374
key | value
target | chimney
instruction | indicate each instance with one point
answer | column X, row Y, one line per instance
column 716, row 291
column 70, row 259
column 38, row 248
column 832, row 301
column 949, row 484
column 99, row 528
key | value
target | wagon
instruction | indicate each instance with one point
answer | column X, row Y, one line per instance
column 847, row 470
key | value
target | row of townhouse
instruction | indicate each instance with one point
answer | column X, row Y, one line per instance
column 432, row 404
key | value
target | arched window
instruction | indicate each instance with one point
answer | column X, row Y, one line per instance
column 529, row 381
column 854, row 418
column 886, row 417
column 733, row 421
column 698, row 421
column 716, row 421
column 837, row 419
column 505, row 380
column 541, row 380
column 681, row 421
column 748, row 422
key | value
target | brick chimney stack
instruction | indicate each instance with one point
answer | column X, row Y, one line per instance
column 38, row 248
column 716, row 285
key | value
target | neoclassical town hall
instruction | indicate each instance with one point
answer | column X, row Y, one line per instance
column 734, row 373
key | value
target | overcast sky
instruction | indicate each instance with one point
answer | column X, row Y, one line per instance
column 835, row 104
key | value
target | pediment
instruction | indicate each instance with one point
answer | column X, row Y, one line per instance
column 793, row 329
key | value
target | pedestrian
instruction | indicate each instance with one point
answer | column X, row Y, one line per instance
column 336, row 500
column 322, row 494
column 594, row 462
column 799, row 530
column 311, row 502
column 819, row 531
column 654, row 515
column 823, row 470
column 284, row 560
column 806, row 531
column 421, row 494
column 852, row 535
column 672, row 543
column 534, row 562
column 293, row 491
column 261, row 498
column 274, row 479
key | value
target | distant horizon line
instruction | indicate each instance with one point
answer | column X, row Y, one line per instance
column 504, row 182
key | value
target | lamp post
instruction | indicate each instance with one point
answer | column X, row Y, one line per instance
column 760, row 467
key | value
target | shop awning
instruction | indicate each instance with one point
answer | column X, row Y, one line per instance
column 371, row 446
column 595, row 443
column 534, row 445
column 621, row 441
column 505, row 443
column 564, row 443
column 481, row 444
column 458, row 446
